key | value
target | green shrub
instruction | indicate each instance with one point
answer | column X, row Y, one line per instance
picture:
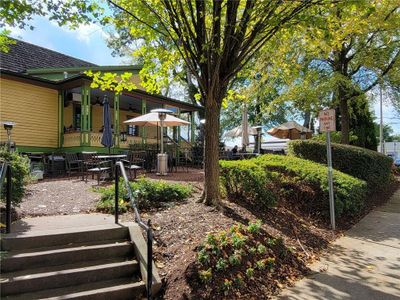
column 246, row 180
column 368, row 165
column 148, row 194
column 231, row 267
column 349, row 191
column 20, row 175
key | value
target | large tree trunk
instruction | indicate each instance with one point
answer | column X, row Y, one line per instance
column 211, row 154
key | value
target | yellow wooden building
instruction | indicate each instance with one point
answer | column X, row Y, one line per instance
column 49, row 98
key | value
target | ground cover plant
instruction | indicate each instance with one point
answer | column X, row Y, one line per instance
column 371, row 166
column 148, row 194
column 235, row 262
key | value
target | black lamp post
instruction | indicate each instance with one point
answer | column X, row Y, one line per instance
column 8, row 126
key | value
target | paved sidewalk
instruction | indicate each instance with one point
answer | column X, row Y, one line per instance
column 363, row 265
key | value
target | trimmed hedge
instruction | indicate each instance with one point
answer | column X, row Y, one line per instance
column 264, row 179
column 350, row 192
column 244, row 179
column 371, row 166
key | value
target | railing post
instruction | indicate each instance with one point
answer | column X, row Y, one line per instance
column 8, row 199
column 116, row 193
column 149, row 259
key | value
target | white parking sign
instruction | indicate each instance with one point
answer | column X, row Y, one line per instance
column 327, row 120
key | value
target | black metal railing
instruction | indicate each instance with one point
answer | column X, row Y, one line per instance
column 119, row 168
column 5, row 172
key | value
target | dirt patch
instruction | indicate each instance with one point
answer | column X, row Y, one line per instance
column 59, row 197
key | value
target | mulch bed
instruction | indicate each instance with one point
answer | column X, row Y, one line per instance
column 181, row 228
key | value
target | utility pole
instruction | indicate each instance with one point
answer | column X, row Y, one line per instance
column 381, row 122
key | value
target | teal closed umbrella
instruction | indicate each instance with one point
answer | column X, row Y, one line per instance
column 107, row 138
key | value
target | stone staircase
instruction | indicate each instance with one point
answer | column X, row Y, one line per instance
column 97, row 263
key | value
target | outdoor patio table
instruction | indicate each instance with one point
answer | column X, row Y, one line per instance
column 113, row 158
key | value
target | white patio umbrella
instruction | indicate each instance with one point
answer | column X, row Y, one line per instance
column 152, row 119
column 161, row 118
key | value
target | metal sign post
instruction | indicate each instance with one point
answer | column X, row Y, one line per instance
column 327, row 123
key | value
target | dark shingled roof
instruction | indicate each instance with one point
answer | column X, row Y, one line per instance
column 23, row 56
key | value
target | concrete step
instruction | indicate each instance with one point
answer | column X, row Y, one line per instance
column 118, row 289
column 15, row 261
column 46, row 269
column 52, row 238
column 25, row 283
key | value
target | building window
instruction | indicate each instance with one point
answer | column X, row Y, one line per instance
column 132, row 130
column 77, row 117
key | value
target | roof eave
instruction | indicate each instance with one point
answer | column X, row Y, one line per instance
column 82, row 69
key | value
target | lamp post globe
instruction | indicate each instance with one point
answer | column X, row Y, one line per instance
column 8, row 126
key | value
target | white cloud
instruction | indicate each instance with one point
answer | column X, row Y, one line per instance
column 85, row 32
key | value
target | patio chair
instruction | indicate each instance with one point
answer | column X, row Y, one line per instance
column 97, row 166
column 197, row 156
column 183, row 160
column 151, row 159
column 135, row 162
column 73, row 163
column 172, row 160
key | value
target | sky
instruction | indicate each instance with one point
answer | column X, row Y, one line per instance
column 88, row 42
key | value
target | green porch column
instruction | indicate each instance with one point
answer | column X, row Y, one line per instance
column 85, row 115
column 192, row 127
column 143, row 129
column 60, row 118
column 116, row 121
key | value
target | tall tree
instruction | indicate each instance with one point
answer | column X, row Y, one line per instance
column 215, row 39
column 341, row 52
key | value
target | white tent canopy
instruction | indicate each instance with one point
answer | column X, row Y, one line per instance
column 237, row 132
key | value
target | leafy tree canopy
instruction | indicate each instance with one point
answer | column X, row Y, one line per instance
column 334, row 56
